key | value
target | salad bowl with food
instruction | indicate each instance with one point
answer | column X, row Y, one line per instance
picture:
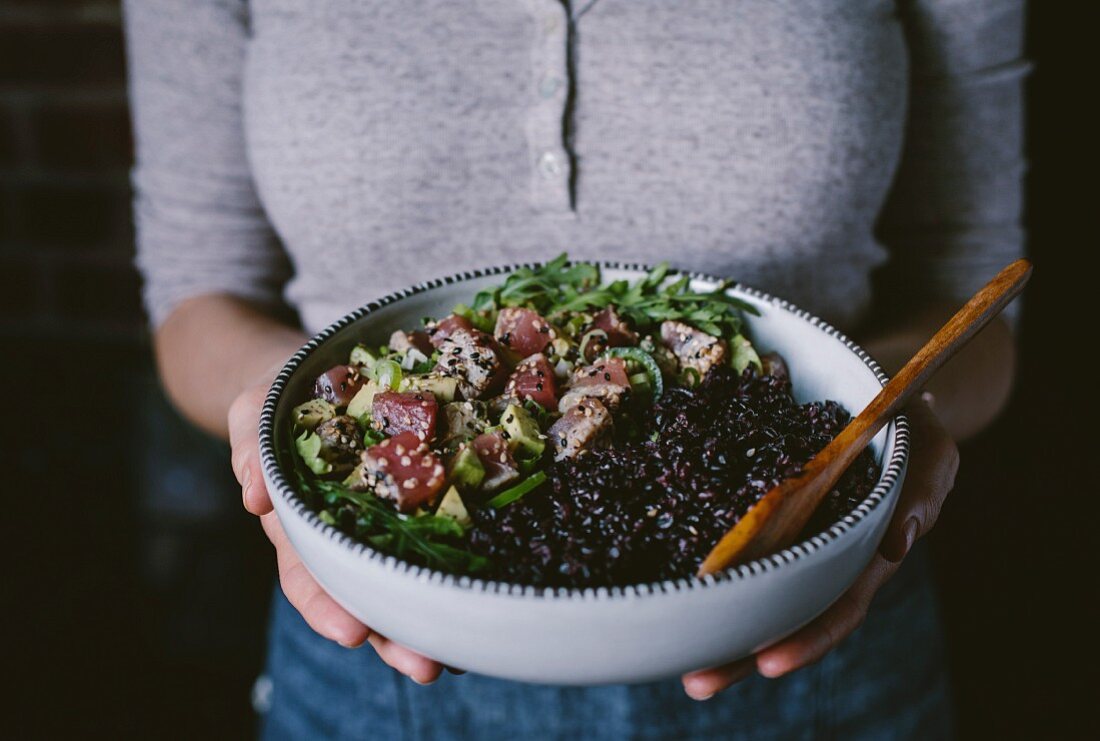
column 517, row 471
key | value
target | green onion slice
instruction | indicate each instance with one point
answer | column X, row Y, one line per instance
column 590, row 336
column 646, row 361
column 387, row 373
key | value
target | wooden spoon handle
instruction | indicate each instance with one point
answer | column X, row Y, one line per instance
column 777, row 519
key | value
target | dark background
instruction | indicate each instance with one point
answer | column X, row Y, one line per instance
column 135, row 588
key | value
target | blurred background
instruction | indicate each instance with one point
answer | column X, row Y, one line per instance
column 135, row 588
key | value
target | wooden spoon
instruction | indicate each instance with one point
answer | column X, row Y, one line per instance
column 775, row 521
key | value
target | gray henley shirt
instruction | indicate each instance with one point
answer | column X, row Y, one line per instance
column 324, row 153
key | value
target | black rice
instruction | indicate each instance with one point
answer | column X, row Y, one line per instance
column 653, row 505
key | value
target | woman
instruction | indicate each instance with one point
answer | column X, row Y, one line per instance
column 317, row 155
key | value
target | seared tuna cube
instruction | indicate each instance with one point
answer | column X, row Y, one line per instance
column 393, row 412
column 692, row 347
column 607, row 381
column 418, row 340
column 338, row 385
column 463, row 421
column 533, row 379
column 581, row 428
column 341, row 442
column 473, row 359
column 403, row 469
column 500, row 467
column 445, row 327
column 523, row 331
column 617, row 333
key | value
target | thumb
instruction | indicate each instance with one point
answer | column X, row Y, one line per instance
column 244, row 423
column 933, row 463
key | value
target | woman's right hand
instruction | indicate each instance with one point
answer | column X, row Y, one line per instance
column 320, row 611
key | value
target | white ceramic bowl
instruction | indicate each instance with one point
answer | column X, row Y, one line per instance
column 591, row 636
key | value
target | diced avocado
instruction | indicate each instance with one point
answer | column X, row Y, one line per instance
column 312, row 413
column 443, row 388
column 522, row 429
column 360, row 404
column 743, row 354
column 561, row 346
column 308, row 445
column 466, row 469
column 364, row 356
column 452, row 506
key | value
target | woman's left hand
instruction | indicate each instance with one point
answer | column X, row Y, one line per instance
column 933, row 462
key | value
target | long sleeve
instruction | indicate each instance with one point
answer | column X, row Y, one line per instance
column 953, row 216
column 200, row 226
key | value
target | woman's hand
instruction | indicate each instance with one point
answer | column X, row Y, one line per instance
column 319, row 610
column 933, row 462
column 210, row 348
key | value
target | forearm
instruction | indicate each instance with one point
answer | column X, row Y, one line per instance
column 973, row 387
column 213, row 347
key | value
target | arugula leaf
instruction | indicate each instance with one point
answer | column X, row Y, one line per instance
column 558, row 288
column 425, row 539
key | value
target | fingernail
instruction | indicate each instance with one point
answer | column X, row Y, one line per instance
column 246, row 485
column 422, row 684
column 910, row 529
column 929, row 398
column 702, row 698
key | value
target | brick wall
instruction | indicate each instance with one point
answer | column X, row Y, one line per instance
column 65, row 152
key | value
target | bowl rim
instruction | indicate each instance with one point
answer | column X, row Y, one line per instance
column 802, row 550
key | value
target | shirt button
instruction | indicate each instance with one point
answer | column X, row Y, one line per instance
column 549, row 165
column 549, row 86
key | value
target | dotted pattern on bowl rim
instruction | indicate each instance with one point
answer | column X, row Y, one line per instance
column 282, row 487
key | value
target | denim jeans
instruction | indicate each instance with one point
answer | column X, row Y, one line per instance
column 887, row 681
